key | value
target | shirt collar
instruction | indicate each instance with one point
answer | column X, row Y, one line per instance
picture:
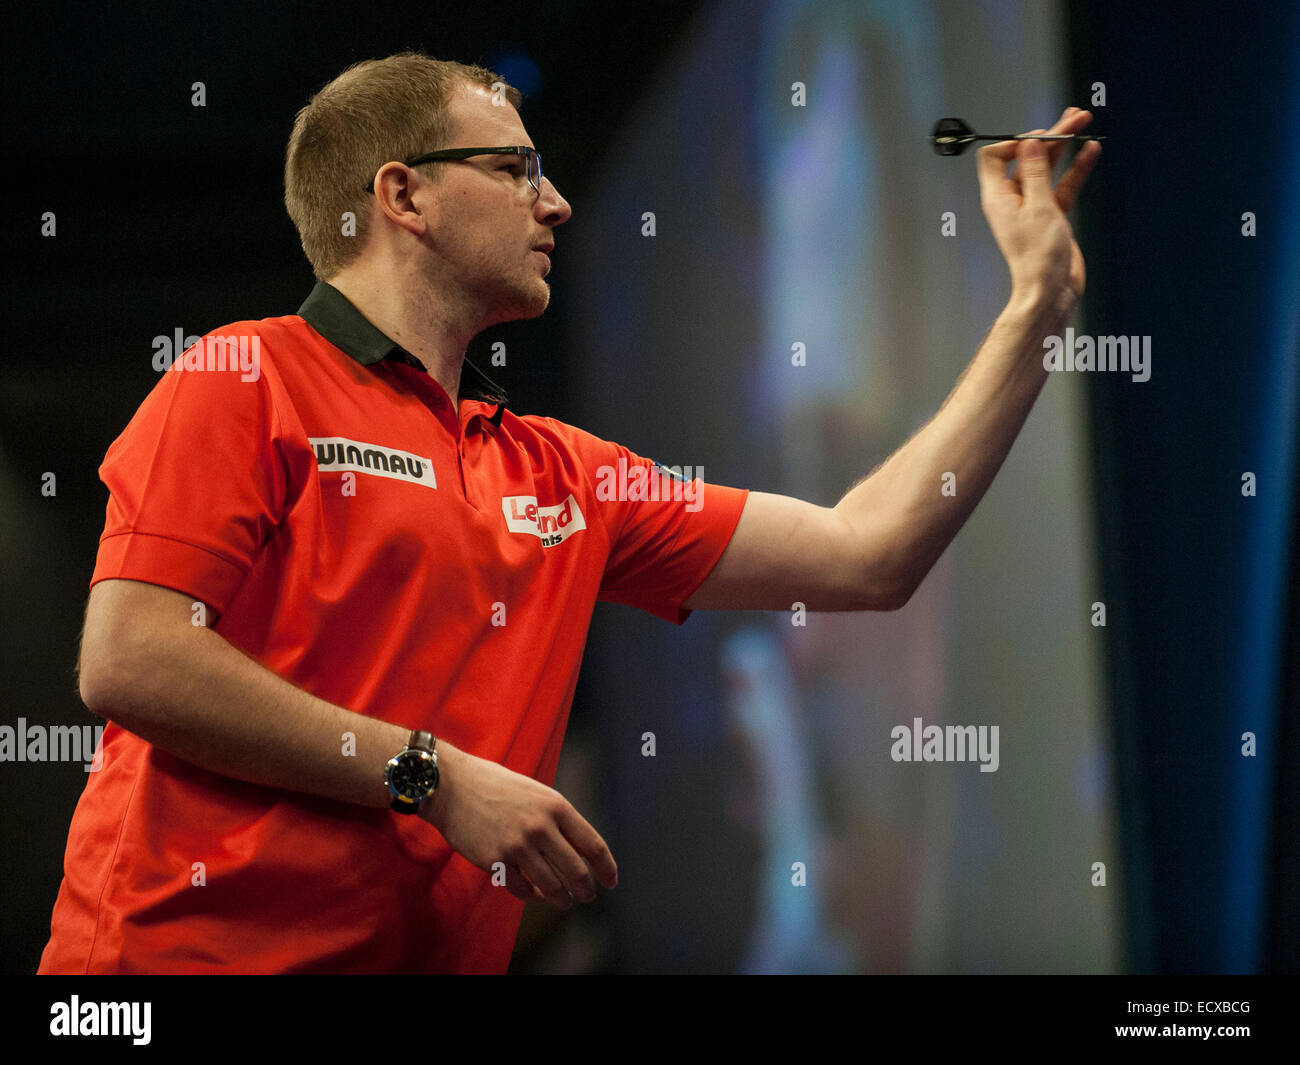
column 333, row 316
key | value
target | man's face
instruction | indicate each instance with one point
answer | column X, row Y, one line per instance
column 488, row 220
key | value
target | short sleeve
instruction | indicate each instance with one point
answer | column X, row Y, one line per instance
column 196, row 485
column 667, row 531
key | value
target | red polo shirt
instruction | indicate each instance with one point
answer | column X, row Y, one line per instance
column 365, row 541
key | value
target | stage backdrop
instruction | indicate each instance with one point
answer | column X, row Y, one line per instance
column 767, row 291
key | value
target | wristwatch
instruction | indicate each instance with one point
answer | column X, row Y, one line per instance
column 412, row 773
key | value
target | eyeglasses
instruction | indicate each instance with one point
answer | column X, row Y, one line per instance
column 532, row 160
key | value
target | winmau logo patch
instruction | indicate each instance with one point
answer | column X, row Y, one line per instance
column 552, row 525
column 338, row 453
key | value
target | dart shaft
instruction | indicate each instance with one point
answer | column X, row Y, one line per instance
column 1028, row 137
column 952, row 136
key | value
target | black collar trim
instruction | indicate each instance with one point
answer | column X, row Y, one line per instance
column 334, row 317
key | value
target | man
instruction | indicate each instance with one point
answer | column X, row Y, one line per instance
column 350, row 586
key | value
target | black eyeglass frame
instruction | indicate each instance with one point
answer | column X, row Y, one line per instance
column 532, row 160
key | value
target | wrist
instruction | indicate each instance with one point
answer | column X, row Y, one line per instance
column 1038, row 301
column 434, row 807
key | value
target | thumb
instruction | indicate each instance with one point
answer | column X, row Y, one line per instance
column 1035, row 171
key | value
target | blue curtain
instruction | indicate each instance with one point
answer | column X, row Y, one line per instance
column 1196, row 572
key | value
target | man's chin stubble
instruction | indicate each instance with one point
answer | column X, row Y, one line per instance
column 532, row 308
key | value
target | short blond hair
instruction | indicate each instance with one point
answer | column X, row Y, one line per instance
column 375, row 111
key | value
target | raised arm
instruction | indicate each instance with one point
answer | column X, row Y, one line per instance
column 872, row 550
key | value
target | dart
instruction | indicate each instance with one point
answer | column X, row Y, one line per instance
column 952, row 136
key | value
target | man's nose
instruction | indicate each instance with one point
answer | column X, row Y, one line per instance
column 553, row 208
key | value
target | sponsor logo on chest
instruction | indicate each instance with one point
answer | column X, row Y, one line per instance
column 552, row 525
column 337, row 453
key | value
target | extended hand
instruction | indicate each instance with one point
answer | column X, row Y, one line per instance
column 489, row 814
column 1027, row 215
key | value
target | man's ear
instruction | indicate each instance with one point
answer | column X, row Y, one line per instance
column 402, row 196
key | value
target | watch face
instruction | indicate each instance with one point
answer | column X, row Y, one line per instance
column 413, row 775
